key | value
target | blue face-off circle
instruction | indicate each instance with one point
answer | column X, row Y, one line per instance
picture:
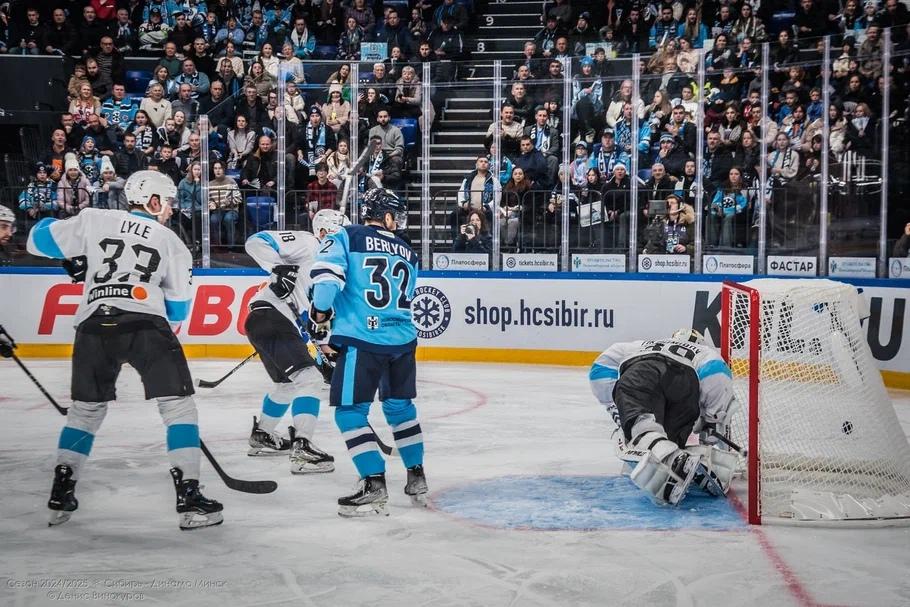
column 550, row 503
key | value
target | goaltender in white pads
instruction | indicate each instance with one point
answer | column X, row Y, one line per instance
column 658, row 392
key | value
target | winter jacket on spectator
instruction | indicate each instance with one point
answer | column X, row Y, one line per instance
column 398, row 36
column 535, row 168
column 73, row 196
column 39, row 199
column 59, row 37
column 492, row 190
column 259, row 170
column 349, row 43
column 153, row 36
column 304, row 43
column 717, row 164
column 455, row 10
column 616, row 195
column 221, row 112
column 664, row 237
column 451, row 42
column 545, row 139
column 198, row 81
column 787, row 162
column 604, row 160
column 90, row 34
column 127, row 163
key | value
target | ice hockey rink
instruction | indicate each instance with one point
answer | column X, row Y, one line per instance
column 528, row 509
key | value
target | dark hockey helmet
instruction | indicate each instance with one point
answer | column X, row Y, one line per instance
column 379, row 201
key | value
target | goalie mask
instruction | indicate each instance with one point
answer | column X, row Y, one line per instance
column 143, row 185
column 329, row 220
column 689, row 335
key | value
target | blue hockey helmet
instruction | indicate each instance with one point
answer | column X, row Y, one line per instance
column 379, row 201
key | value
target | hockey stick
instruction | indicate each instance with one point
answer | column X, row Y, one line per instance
column 61, row 410
column 728, row 442
column 234, row 483
column 212, row 384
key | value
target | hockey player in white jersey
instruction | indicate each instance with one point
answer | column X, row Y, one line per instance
column 658, row 392
column 137, row 278
column 273, row 328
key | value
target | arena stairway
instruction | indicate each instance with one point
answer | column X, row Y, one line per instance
column 466, row 110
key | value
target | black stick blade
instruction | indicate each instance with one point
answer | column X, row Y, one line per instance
column 250, row 486
column 234, row 483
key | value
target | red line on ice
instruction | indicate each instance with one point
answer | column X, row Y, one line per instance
column 794, row 585
column 480, row 402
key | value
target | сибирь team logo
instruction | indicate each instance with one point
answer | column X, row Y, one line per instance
column 431, row 312
column 646, row 263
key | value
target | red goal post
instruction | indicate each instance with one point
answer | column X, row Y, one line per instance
column 751, row 369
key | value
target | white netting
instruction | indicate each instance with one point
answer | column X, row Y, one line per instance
column 830, row 445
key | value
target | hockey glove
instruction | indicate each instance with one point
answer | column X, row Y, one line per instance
column 77, row 267
column 319, row 330
column 284, row 279
column 6, row 346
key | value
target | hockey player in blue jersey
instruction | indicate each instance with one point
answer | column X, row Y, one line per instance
column 363, row 283
column 273, row 328
column 658, row 392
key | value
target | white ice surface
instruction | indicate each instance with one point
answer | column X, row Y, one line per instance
column 290, row 547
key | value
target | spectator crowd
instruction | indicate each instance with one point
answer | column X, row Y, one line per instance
column 228, row 59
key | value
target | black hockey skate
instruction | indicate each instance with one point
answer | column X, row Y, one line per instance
column 194, row 510
column 371, row 498
column 63, row 500
column 416, row 487
column 306, row 457
column 265, row 443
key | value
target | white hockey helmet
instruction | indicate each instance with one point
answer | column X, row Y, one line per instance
column 7, row 216
column 690, row 335
column 142, row 185
column 329, row 220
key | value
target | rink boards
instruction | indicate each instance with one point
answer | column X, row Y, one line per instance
column 550, row 318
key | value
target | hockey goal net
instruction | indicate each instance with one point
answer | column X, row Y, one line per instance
column 824, row 443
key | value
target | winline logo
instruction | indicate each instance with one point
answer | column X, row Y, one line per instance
column 136, row 292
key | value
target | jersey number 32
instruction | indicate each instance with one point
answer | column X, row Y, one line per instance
column 380, row 295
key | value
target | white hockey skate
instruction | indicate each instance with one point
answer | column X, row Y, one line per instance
column 371, row 499
column 307, row 458
column 266, row 443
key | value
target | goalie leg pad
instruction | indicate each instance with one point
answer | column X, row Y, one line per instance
column 666, row 472
column 716, row 468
